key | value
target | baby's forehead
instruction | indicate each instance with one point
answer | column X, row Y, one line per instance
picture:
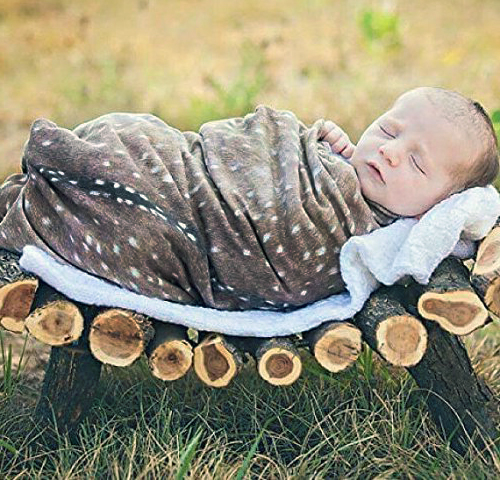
column 443, row 135
column 411, row 100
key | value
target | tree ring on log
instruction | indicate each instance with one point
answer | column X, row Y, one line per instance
column 216, row 362
column 488, row 254
column 492, row 297
column 15, row 303
column 338, row 345
column 57, row 323
column 279, row 366
column 118, row 337
column 170, row 361
column 459, row 312
column 401, row 340
column 486, row 271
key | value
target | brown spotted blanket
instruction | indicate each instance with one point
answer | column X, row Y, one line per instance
column 247, row 213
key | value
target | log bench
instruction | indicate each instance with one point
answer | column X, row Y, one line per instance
column 414, row 326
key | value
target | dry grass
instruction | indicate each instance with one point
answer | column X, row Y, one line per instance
column 71, row 61
column 366, row 422
column 189, row 61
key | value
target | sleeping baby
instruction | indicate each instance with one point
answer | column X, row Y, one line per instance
column 247, row 213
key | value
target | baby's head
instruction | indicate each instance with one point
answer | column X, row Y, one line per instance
column 432, row 143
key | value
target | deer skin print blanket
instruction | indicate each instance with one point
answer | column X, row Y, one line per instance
column 248, row 213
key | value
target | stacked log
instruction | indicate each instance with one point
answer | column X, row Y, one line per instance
column 486, row 271
column 17, row 292
column 170, row 353
column 391, row 330
column 451, row 301
column 335, row 345
column 118, row 337
column 54, row 320
column 277, row 360
column 216, row 360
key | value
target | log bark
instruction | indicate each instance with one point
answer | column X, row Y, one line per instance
column 389, row 329
column 170, row 354
column 459, row 402
column 335, row 345
column 69, row 387
column 216, row 360
column 118, row 337
column 54, row 319
column 277, row 359
column 17, row 292
column 485, row 276
column 450, row 300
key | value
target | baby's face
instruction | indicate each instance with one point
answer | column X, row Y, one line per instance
column 405, row 160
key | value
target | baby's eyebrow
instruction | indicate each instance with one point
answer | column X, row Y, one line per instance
column 395, row 123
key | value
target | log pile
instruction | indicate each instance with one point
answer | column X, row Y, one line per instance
column 119, row 337
column 405, row 324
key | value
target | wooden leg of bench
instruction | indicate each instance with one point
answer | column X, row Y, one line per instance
column 69, row 386
column 459, row 402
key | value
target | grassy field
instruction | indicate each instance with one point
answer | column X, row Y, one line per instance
column 189, row 61
column 367, row 422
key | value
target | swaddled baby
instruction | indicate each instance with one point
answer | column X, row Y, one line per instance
column 247, row 213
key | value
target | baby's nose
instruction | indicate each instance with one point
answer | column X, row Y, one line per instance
column 389, row 154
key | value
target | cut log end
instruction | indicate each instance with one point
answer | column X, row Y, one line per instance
column 15, row 303
column 118, row 337
column 459, row 312
column 280, row 366
column 337, row 346
column 172, row 360
column 216, row 362
column 485, row 276
column 488, row 288
column 488, row 254
column 402, row 340
column 492, row 297
column 57, row 323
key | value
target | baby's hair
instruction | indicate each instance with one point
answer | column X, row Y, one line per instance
column 467, row 113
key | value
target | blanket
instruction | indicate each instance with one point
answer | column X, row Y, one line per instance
column 405, row 248
column 247, row 213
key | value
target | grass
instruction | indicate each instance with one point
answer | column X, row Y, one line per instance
column 9, row 378
column 190, row 62
column 367, row 422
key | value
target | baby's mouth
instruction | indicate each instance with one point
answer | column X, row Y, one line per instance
column 374, row 169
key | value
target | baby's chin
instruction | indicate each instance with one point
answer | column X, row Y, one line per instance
column 395, row 209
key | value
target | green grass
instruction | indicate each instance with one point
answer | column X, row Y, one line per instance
column 355, row 424
column 189, row 63
column 10, row 378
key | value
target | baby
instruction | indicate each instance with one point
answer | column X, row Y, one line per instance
column 247, row 213
column 430, row 144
